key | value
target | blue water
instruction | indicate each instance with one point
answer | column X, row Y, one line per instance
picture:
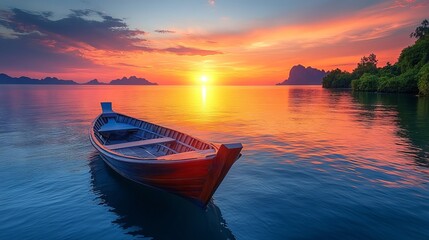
column 317, row 164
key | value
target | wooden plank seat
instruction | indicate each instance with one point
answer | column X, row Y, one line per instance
column 140, row 143
column 113, row 126
column 200, row 154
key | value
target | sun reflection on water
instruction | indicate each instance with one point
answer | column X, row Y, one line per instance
column 203, row 95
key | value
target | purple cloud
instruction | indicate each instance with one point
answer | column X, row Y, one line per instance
column 164, row 31
column 34, row 41
column 108, row 34
column 29, row 54
column 181, row 50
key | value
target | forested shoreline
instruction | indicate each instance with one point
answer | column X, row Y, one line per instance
column 410, row 74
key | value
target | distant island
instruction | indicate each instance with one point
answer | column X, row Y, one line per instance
column 133, row 80
column 95, row 82
column 409, row 75
column 300, row 75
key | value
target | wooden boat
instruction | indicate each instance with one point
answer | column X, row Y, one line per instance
column 160, row 157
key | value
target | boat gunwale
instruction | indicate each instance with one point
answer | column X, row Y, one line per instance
column 132, row 159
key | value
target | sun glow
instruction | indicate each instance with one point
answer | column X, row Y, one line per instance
column 204, row 78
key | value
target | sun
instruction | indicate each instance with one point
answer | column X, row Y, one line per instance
column 204, row 78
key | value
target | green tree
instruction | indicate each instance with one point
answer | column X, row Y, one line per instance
column 386, row 84
column 337, row 79
column 389, row 70
column 414, row 56
column 423, row 82
column 368, row 82
column 408, row 81
column 366, row 65
column 421, row 31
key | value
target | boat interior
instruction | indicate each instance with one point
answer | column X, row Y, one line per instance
column 132, row 137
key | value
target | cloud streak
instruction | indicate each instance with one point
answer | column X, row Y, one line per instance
column 181, row 50
column 164, row 31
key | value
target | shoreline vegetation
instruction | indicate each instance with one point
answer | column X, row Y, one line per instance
column 410, row 74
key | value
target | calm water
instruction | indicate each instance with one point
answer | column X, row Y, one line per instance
column 317, row 164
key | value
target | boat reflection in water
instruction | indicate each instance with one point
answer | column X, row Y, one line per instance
column 147, row 212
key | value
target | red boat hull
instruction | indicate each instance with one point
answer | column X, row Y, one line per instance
column 195, row 179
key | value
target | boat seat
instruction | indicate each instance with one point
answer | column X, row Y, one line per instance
column 112, row 126
column 198, row 154
column 140, row 143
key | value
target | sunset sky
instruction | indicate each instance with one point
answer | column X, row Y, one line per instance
column 232, row 42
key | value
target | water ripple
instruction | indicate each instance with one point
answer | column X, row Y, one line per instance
column 316, row 164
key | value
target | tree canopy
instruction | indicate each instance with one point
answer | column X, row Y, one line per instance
column 422, row 30
column 366, row 65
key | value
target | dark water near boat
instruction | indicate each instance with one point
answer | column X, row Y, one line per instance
column 317, row 164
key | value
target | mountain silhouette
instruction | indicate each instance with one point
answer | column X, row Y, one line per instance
column 94, row 82
column 300, row 75
column 133, row 80
column 6, row 79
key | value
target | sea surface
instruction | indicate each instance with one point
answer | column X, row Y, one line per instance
column 316, row 164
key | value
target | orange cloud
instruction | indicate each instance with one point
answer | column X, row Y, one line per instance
column 264, row 55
